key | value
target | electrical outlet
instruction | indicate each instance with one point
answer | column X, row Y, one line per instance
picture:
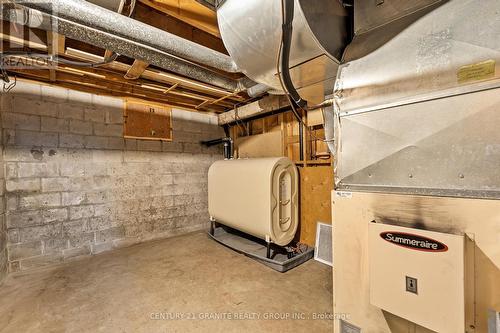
column 411, row 285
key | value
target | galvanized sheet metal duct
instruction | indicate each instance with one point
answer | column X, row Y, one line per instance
column 420, row 114
column 252, row 30
column 90, row 15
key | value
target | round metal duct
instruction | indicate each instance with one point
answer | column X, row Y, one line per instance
column 251, row 31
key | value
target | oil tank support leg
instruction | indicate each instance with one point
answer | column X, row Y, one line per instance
column 212, row 226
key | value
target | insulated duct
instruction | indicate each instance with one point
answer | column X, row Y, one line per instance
column 127, row 47
column 90, row 15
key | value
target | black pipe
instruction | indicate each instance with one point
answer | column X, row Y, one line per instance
column 228, row 146
column 301, row 141
column 288, row 11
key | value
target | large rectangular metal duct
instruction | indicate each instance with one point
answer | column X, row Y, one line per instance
column 419, row 114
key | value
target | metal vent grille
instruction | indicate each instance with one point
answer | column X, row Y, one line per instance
column 345, row 327
column 323, row 250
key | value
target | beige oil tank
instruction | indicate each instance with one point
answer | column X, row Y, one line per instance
column 256, row 196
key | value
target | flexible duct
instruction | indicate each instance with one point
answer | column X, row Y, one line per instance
column 258, row 90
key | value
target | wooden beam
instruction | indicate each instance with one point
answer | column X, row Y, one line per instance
column 136, row 70
column 102, row 86
column 156, row 17
column 155, row 75
column 52, row 50
column 190, row 12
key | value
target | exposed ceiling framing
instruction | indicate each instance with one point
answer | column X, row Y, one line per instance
column 135, row 78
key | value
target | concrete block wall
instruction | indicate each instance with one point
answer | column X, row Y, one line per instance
column 75, row 187
column 3, row 228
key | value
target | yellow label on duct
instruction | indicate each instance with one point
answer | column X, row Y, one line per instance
column 480, row 71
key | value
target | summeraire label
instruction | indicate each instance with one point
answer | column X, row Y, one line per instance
column 414, row 242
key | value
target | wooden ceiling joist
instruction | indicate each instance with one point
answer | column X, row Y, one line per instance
column 122, row 77
column 136, row 70
column 188, row 11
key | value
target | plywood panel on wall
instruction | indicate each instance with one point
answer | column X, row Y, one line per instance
column 316, row 184
column 260, row 145
column 147, row 121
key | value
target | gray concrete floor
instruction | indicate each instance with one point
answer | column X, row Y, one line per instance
column 145, row 287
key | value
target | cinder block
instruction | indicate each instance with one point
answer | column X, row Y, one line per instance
column 56, row 184
column 6, row 102
column 97, row 197
column 50, row 124
column 13, row 236
column 80, row 239
column 41, row 232
column 23, row 185
column 99, row 223
column 11, row 202
column 192, row 148
column 80, row 127
column 54, row 94
column 136, row 156
column 27, row 90
column 21, row 104
column 162, row 180
column 74, row 198
column 75, row 227
column 101, row 156
column 40, row 201
column 96, row 142
column 71, row 141
column 79, row 97
column 24, row 219
column 8, row 137
column 20, row 121
column 102, row 129
column 131, row 144
column 102, row 210
column 96, row 169
column 37, row 170
column 99, row 248
column 108, row 235
column 84, row 250
column 116, row 143
column 72, row 169
column 24, row 250
column 114, row 115
column 80, row 212
column 191, row 137
column 54, row 245
column 54, row 215
column 95, row 115
column 36, row 139
column 171, row 146
column 107, row 102
column 149, row 145
column 68, row 111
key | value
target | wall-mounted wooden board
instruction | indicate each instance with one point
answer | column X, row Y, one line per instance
column 260, row 145
column 316, row 184
column 147, row 121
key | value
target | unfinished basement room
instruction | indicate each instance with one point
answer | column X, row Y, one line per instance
column 288, row 166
